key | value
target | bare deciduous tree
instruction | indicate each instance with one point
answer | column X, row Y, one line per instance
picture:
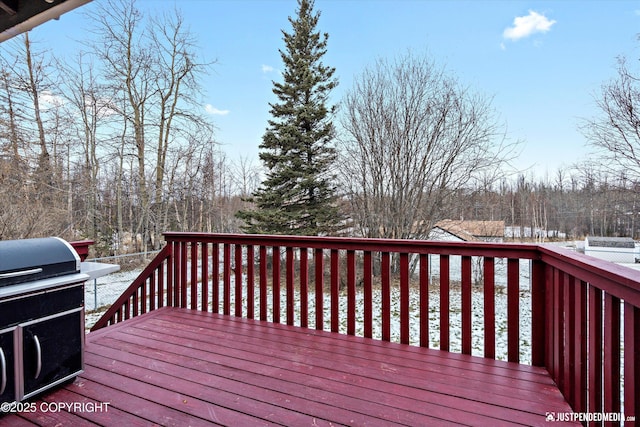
column 413, row 136
column 154, row 71
column 615, row 133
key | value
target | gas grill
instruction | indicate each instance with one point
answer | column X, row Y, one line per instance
column 41, row 316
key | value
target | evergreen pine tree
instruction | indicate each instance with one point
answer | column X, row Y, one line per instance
column 298, row 194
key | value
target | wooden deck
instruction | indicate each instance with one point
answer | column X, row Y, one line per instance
column 175, row 366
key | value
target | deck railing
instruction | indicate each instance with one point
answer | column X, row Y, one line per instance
column 583, row 316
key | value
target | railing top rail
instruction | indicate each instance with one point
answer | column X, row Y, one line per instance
column 507, row 250
column 618, row 280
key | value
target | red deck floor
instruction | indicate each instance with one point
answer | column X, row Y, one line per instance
column 181, row 367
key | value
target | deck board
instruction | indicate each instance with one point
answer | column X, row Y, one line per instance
column 181, row 367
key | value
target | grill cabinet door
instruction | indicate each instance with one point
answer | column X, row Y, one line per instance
column 52, row 350
column 7, row 365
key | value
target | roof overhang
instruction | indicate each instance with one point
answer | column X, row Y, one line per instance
column 19, row 16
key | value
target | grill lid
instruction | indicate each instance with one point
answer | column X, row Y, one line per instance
column 35, row 259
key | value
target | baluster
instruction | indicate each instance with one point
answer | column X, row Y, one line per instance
column 276, row 284
column 386, row 297
column 580, row 345
column 304, row 285
column 290, row 289
column 558, row 330
column 489, row 297
column 170, row 275
column 595, row 349
column 404, row 298
column 424, row 300
column 319, row 285
column 238, row 280
column 160, row 294
column 368, row 295
column 135, row 302
column 351, row 293
column 143, row 293
column 569, row 336
column 631, row 360
column 215, row 279
column 611, row 353
column 466, row 304
column 194, row 276
column 152, row 287
column 263, row 283
column 444, row 302
column 335, row 290
column 182, row 297
column 538, row 301
column 513, row 310
column 204, row 272
column 250, row 282
column 226, row 279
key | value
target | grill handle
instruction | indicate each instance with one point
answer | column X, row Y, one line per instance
column 20, row 273
column 3, row 370
column 36, row 342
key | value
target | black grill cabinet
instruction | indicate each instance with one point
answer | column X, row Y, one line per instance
column 41, row 316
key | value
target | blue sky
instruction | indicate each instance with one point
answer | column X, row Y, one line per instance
column 541, row 61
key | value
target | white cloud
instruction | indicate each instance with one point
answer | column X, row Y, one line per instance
column 48, row 99
column 267, row 68
column 214, row 111
column 525, row 26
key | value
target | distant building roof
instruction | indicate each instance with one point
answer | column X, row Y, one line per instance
column 610, row 242
column 456, row 231
column 470, row 230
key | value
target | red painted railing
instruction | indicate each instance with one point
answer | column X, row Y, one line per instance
column 382, row 288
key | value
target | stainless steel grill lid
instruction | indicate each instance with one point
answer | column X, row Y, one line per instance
column 35, row 259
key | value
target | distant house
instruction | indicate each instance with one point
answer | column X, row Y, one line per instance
column 449, row 230
column 615, row 249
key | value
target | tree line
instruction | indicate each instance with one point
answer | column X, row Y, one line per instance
column 112, row 146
